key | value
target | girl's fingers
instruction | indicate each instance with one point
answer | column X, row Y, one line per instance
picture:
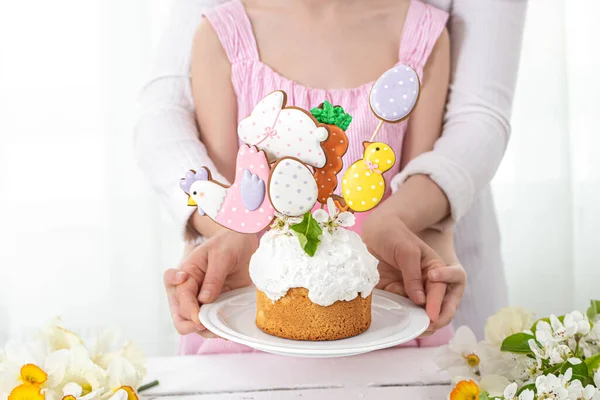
column 174, row 277
column 397, row 288
column 435, row 298
column 208, row 334
column 182, row 326
column 407, row 258
column 454, row 277
column 450, row 306
column 189, row 307
column 450, row 274
column 196, row 264
column 220, row 265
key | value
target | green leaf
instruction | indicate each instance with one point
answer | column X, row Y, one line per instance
column 592, row 363
column 329, row 114
column 580, row 371
column 311, row 248
column 486, row 396
column 302, row 239
column 552, row 370
column 531, row 386
column 517, row 343
column 308, row 232
column 594, row 310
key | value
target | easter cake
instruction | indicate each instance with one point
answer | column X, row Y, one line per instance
column 314, row 276
column 325, row 295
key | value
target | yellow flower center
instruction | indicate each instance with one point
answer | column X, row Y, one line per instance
column 86, row 388
column 26, row 391
column 33, row 374
column 472, row 360
column 69, row 397
column 465, row 390
column 131, row 395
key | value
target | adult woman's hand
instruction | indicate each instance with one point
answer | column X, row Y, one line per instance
column 217, row 265
column 404, row 261
column 410, row 267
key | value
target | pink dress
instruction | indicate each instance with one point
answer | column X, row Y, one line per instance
column 253, row 80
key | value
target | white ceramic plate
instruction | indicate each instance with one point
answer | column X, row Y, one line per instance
column 395, row 320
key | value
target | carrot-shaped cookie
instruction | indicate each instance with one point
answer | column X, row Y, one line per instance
column 335, row 147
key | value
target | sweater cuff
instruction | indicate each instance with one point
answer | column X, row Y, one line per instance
column 176, row 204
column 449, row 176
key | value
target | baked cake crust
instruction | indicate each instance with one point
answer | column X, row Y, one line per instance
column 295, row 316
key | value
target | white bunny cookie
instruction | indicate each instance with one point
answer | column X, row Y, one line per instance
column 284, row 131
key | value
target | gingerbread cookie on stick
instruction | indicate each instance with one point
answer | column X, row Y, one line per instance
column 242, row 207
column 292, row 188
column 335, row 147
column 283, row 131
column 392, row 99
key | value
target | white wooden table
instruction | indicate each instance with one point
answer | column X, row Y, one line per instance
column 387, row 374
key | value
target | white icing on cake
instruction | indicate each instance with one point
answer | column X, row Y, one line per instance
column 341, row 269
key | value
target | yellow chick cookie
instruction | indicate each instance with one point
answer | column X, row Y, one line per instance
column 363, row 185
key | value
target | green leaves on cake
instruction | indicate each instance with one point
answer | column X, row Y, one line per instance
column 308, row 232
column 329, row 114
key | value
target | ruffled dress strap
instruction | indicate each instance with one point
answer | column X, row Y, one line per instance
column 423, row 26
column 234, row 30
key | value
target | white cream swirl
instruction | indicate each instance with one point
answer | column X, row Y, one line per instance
column 341, row 269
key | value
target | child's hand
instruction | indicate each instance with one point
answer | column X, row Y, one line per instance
column 219, row 264
column 455, row 277
column 405, row 262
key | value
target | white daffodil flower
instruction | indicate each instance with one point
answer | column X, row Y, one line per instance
column 493, row 384
column 57, row 336
column 121, row 373
column 506, row 322
column 75, row 390
column 461, row 356
column 17, row 355
column 578, row 321
column 108, row 346
column 332, row 218
column 122, row 394
column 81, row 369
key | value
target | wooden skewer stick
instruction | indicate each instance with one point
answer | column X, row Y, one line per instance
column 376, row 130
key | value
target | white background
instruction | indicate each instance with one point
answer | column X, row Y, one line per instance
column 82, row 236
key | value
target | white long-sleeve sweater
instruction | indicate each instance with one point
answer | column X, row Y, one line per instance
column 485, row 40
